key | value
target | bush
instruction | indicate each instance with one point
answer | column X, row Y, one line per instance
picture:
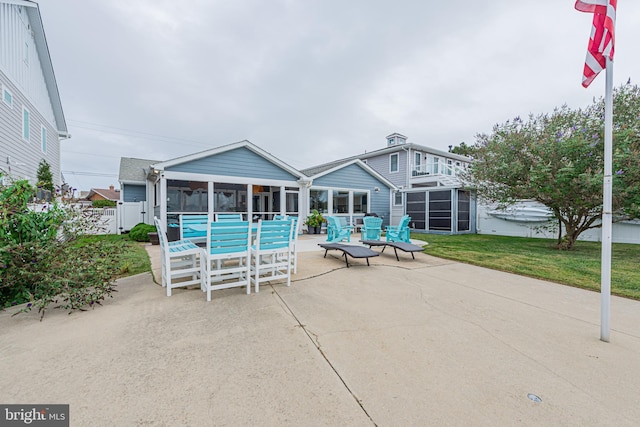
column 103, row 204
column 140, row 233
column 40, row 263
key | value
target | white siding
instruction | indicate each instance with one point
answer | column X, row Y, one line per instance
column 16, row 33
column 26, row 82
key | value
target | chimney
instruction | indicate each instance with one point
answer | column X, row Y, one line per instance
column 111, row 187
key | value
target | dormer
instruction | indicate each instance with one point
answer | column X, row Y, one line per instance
column 396, row 139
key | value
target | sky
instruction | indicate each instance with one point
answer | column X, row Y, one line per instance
column 310, row 81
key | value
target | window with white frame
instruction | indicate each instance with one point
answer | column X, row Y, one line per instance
column 417, row 159
column 360, row 201
column 7, row 97
column 340, row 201
column 393, row 162
column 25, row 124
column 43, row 139
column 397, row 199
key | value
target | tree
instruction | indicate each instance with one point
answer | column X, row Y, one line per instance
column 557, row 160
column 462, row 149
column 45, row 177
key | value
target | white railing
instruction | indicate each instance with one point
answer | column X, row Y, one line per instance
column 435, row 168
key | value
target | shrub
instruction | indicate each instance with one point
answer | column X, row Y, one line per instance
column 103, row 204
column 140, row 232
column 39, row 262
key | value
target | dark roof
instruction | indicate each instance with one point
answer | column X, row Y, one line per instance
column 134, row 170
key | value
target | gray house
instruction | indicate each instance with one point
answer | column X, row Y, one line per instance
column 31, row 119
column 241, row 177
column 426, row 184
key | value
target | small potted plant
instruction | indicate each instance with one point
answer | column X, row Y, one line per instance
column 314, row 222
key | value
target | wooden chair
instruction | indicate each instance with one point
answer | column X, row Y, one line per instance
column 372, row 228
column 181, row 259
column 336, row 232
column 271, row 255
column 226, row 258
column 294, row 242
column 401, row 232
column 229, row 217
column 194, row 227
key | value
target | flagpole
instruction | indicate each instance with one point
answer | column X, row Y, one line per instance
column 605, row 273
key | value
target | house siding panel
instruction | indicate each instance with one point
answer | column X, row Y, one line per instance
column 381, row 165
column 134, row 193
column 26, row 82
column 25, row 156
column 240, row 162
column 354, row 177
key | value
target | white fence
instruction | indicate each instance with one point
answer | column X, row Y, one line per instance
column 531, row 219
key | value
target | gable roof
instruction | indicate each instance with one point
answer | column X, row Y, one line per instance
column 106, row 193
column 357, row 162
column 229, row 147
column 134, row 171
column 35, row 19
column 314, row 170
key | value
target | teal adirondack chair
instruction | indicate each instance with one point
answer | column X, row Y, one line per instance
column 336, row 232
column 399, row 233
column 372, row 228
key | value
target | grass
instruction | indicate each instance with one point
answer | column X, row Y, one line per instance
column 538, row 258
column 133, row 261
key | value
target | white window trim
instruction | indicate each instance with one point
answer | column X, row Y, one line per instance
column 397, row 162
column 43, row 139
column 416, row 155
column 28, row 129
column 4, row 89
column 401, row 199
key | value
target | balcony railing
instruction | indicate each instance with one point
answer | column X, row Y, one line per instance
column 435, row 168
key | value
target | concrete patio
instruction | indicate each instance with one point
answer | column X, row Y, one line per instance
column 414, row 342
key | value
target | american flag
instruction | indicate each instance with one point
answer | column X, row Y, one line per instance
column 602, row 36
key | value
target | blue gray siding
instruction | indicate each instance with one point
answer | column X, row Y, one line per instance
column 354, row 177
column 134, row 193
column 240, row 162
column 25, row 155
column 381, row 164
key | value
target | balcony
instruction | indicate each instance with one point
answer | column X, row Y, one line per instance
column 435, row 173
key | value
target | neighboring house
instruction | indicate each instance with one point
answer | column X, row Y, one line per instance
column 31, row 118
column 104, row 194
column 427, row 185
column 241, row 177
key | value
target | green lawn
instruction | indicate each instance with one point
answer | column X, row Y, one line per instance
column 133, row 260
column 538, row 258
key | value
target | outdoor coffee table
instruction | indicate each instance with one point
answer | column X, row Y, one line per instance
column 351, row 250
column 403, row 246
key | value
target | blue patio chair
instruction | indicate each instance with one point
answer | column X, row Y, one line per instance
column 399, row 233
column 181, row 259
column 372, row 228
column 194, row 227
column 271, row 255
column 227, row 256
column 229, row 217
column 336, row 232
column 294, row 243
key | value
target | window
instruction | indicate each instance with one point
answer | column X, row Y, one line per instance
column 319, row 200
column 417, row 159
column 43, row 139
column 187, row 196
column 440, row 210
column 25, row 124
column 393, row 162
column 7, row 97
column 391, row 141
column 397, row 199
column 360, row 202
column 340, row 201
